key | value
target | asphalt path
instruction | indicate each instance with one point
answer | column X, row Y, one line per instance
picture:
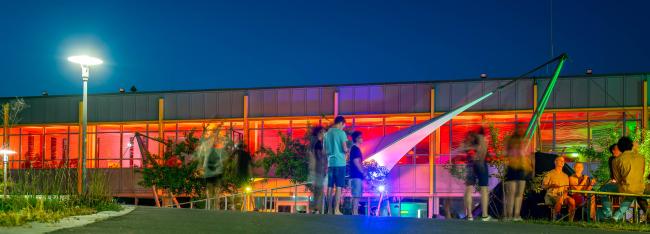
column 169, row 220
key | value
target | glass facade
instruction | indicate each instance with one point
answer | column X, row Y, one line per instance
column 114, row 145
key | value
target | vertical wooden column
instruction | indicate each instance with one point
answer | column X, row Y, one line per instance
column 5, row 125
column 535, row 135
column 245, row 119
column 79, row 162
column 432, row 152
column 161, row 126
column 336, row 104
column 644, row 115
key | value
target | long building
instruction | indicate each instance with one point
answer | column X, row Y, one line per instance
column 581, row 109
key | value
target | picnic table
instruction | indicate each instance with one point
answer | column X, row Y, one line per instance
column 609, row 194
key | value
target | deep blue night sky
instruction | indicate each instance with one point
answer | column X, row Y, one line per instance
column 183, row 45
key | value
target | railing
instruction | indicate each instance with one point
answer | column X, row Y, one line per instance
column 268, row 196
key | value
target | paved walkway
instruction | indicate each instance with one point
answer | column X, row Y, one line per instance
column 168, row 220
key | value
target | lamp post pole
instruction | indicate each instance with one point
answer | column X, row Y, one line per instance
column 5, row 158
column 85, row 62
column 85, row 70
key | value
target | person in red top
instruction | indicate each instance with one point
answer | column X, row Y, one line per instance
column 581, row 182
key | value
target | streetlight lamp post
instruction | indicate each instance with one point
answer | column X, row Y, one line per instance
column 85, row 62
column 5, row 158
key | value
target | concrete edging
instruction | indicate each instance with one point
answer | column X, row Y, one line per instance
column 68, row 222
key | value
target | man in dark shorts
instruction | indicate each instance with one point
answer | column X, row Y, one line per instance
column 356, row 171
column 336, row 149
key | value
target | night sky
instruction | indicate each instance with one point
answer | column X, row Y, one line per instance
column 183, row 45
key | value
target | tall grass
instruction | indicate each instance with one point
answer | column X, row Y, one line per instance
column 47, row 195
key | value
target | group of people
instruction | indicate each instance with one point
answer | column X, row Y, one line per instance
column 519, row 169
column 331, row 155
column 627, row 168
column 337, row 163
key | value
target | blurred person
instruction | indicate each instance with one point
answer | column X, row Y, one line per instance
column 317, row 168
column 475, row 148
column 519, row 169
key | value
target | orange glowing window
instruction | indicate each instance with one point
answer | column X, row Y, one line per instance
column 32, row 130
column 135, row 128
column 420, row 119
column 500, row 118
column 400, row 120
column 190, row 126
column 236, row 125
column 371, row 121
column 467, row 119
column 14, row 131
column 170, row 127
column 108, row 128
column 152, row 127
column 570, row 116
column 56, row 129
column 546, row 117
column 303, row 123
column 276, row 124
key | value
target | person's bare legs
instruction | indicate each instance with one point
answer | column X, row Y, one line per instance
column 330, row 196
column 510, row 187
column 468, row 200
column 558, row 206
column 355, row 206
column 337, row 201
column 485, row 201
column 519, row 198
column 572, row 207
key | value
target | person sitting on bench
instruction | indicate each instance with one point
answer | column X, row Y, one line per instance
column 628, row 170
column 579, row 181
column 556, row 183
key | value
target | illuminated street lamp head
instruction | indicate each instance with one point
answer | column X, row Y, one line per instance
column 85, row 60
column 248, row 189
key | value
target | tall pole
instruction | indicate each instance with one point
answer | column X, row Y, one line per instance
column 5, row 158
column 84, row 126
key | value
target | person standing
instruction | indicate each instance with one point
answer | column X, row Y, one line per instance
column 356, row 171
column 556, row 183
column 628, row 170
column 317, row 168
column 336, row 148
column 519, row 170
column 477, row 171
